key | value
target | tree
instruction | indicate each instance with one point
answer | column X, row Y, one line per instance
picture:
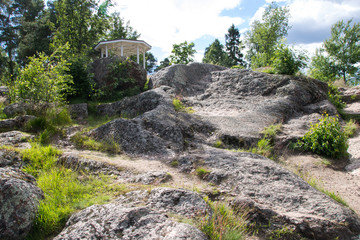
column 343, row 47
column 182, row 53
column 288, row 61
column 215, row 54
column 321, row 67
column 264, row 36
column 163, row 64
column 234, row 47
column 120, row 30
column 150, row 61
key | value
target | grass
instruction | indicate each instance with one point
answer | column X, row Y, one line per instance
column 313, row 182
column 64, row 192
column 202, row 172
column 272, row 130
column 2, row 114
column 218, row 144
column 82, row 141
column 179, row 106
column 224, row 223
column 350, row 128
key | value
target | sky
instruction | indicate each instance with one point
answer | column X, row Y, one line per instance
column 163, row 23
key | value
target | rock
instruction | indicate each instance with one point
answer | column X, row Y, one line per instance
column 15, row 123
column 152, row 177
column 187, row 80
column 101, row 73
column 15, row 138
column 113, row 221
column 241, row 103
column 19, row 200
column 157, row 128
column 9, row 158
column 354, row 151
column 4, row 95
column 279, row 192
column 77, row 163
column 78, row 111
column 350, row 95
column 16, row 109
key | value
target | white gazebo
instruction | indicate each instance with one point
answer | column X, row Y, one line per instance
column 123, row 48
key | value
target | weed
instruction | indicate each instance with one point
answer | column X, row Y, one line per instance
column 218, row 144
column 285, row 233
column 201, row 172
column 264, row 147
column 350, row 128
column 271, row 131
column 2, row 114
column 335, row 97
column 224, row 223
column 179, row 106
column 174, row 163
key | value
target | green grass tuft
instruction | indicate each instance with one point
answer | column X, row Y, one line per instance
column 82, row 141
column 202, row 172
column 350, row 128
column 179, row 106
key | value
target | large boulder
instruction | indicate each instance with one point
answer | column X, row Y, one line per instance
column 156, row 129
column 19, row 201
column 101, row 70
column 274, row 195
column 124, row 219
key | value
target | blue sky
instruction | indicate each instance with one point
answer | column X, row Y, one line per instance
column 163, row 23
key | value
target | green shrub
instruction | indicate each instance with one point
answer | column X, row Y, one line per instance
column 44, row 79
column 218, row 144
column 325, row 138
column 264, row 147
column 335, row 97
column 271, row 131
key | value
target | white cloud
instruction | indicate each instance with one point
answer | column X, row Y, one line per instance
column 165, row 22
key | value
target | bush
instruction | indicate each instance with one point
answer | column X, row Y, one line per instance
column 44, row 79
column 350, row 128
column 335, row 97
column 325, row 138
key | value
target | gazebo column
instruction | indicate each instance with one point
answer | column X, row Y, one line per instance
column 122, row 51
column 102, row 53
column 144, row 60
column 106, row 51
column 137, row 55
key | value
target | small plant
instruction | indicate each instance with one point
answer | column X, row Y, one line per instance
column 325, row 138
column 179, row 106
column 264, row 147
column 174, row 163
column 224, row 223
column 350, row 128
column 335, row 97
column 82, row 141
column 202, row 172
column 218, row 144
column 272, row 130
column 285, row 233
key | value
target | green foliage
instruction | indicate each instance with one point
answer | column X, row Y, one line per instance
column 44, row 79
column 285, row 233
column 49, row 124
column 321, row 67
column 264, row 147
column 288, row 61
column 325, row 138
column 224, row 223
column 179, row 106
column 182, row 53
column 271, row 131
column 163, row 64
column 343, row 47
column 120, row 30
column 215, row 54
column 174, row 163
column 218, row 144
column 335, row 97
column 350, row 128
column 233, row 47
column 118, row 83
column 64, row 192
column 264, row 36
column 82, row 141
column 201, row 172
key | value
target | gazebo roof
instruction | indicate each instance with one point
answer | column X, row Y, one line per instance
column 130, row 46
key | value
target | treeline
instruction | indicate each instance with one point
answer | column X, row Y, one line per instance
column 36, row 37
column 268, row 50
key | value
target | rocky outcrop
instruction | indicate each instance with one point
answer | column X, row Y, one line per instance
column 157, row 130
column 78, row 111
column 350, row 95
column 19, row 201
column 16, row 139
column 121, row 220
column 101, row 70
column 274, row 194
column 15, row 123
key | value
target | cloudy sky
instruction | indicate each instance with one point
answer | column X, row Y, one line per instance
column 165, row 22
